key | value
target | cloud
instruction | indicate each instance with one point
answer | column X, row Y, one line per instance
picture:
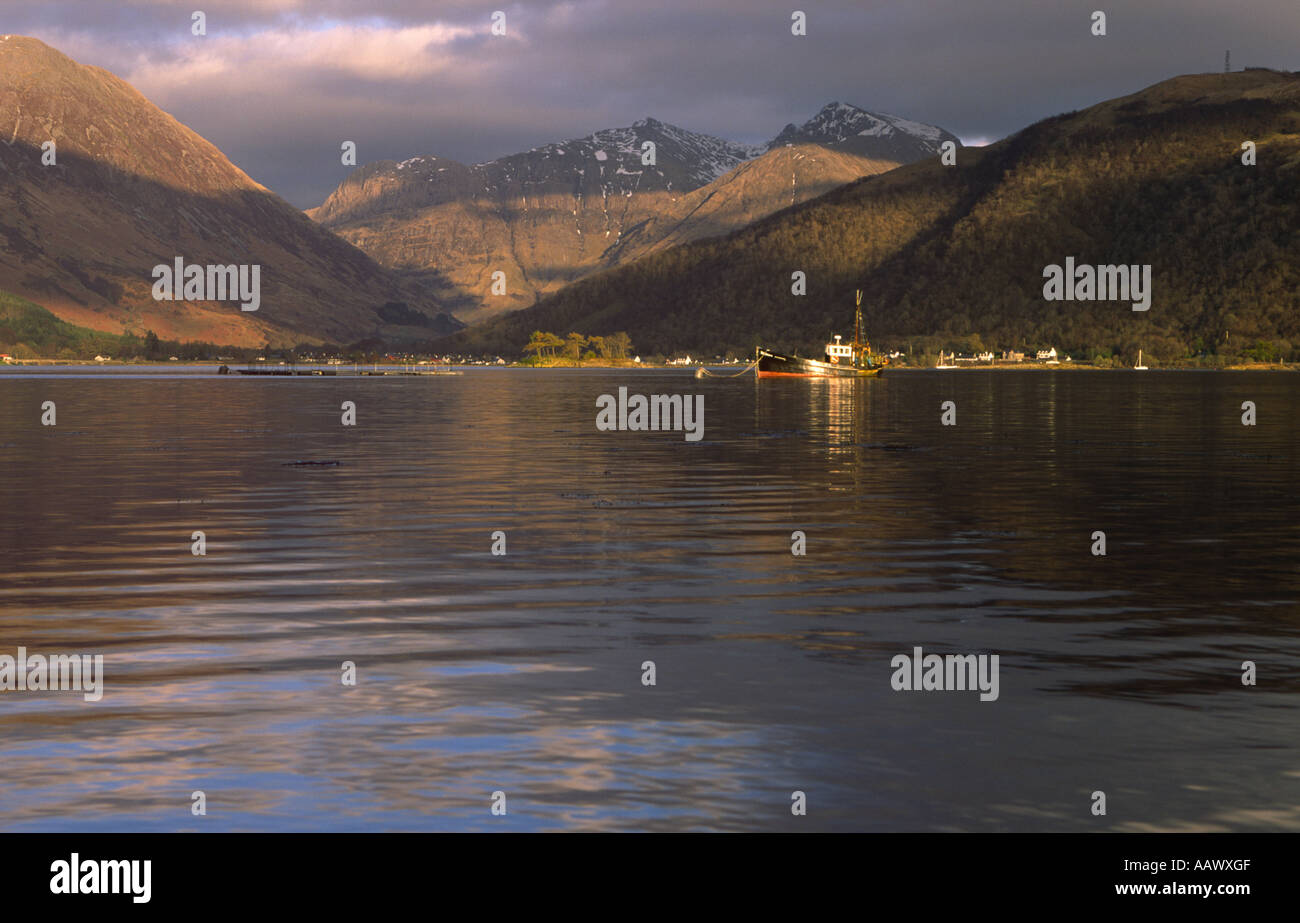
column 279, row 84
column 249, row 63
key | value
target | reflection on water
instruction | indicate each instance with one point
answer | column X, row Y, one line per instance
column 522, row 673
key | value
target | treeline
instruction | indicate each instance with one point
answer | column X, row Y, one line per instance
column 545, row 348
column 950, row 253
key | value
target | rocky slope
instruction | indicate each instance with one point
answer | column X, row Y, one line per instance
column 133, row 188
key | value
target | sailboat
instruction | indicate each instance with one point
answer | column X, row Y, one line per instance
column 841, row 360
column 944, row 364
column 1139, row 367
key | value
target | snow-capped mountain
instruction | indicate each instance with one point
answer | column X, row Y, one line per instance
column 552, row 214
column 603, row 165
column 872, row 134
column 695, row 158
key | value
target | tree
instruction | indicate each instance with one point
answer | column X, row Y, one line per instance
column 543, row 344
column 152, row 350
column 619, row 345
column 573, row 344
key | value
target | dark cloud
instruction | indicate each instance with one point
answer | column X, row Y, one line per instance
column 279, row 84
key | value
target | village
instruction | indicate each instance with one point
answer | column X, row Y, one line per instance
column 1047, row 356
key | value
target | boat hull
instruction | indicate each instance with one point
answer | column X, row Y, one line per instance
column 771, row 365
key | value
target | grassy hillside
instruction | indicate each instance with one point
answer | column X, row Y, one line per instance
column 28, row 331
column 954, row 256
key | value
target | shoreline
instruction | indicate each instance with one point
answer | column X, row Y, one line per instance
column 1086, row 367
column 431, row 367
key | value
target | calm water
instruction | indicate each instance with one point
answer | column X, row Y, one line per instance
column 522, row 672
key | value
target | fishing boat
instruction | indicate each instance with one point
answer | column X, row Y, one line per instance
column 842, row 360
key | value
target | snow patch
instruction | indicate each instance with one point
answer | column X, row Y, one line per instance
column 917, row 129
column 840, row 121
column 414, row 160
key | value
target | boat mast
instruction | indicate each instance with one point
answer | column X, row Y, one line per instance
column 859, row 342
column 857, row 330
column 857, row 322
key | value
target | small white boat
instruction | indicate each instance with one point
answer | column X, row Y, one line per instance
column 1139, row 367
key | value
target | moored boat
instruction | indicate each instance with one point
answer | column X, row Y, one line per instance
column 842, row 360
column 771, row 365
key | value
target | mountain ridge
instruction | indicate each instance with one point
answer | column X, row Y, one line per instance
column 947, row 253
column 559, row 211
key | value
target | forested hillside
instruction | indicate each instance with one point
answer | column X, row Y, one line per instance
column 955, row 254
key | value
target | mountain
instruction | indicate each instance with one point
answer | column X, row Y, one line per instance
column 132, row 188
column 556, row 213
column 777, row 179
column 955, row 255
column 843, row 127
column 607, row 162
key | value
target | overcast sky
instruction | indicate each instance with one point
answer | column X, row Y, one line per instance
column 278, row 85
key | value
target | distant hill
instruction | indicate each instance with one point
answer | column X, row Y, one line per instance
column 558, row 212
column 956, row 254
column 133, row 188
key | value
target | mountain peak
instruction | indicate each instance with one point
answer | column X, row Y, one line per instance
column 46, row 95
column 27, row 42
column 36, row 59
column 874, row 134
